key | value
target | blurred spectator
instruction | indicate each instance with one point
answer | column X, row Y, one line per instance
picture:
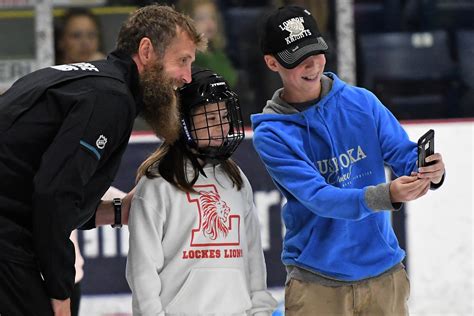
column 209, row 22
column 78, row 37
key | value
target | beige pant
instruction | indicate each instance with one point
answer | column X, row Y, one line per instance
column 384, row 295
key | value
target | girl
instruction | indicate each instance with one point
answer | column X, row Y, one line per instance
column 194, row 234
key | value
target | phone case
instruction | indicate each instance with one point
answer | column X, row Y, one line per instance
column 425, row 148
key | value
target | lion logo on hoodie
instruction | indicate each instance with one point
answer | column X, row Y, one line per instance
column 215, row 215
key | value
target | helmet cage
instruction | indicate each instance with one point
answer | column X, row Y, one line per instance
column 206, row 141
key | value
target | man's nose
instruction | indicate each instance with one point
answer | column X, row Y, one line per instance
column 187, row 75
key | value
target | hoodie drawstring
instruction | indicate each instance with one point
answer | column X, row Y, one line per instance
column 313, row 156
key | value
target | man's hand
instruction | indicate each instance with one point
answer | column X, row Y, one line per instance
column 434, row 172
column 61, row 307
column 105, row 211
column 126, row 203
column 408, row 188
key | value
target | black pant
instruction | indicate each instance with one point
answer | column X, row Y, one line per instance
column 22, row 291
column 75, row 299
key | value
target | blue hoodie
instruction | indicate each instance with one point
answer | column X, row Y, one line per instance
column 328, row 161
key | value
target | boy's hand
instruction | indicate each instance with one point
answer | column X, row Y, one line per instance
column 434, row 172
column 408, row 188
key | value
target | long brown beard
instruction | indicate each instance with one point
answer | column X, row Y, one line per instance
column 160, row 100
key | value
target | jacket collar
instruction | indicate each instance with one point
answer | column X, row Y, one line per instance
column 128, row 68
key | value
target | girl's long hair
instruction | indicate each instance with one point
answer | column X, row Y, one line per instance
column 170, row 162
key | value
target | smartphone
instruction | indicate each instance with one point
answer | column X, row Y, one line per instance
column 425, row 148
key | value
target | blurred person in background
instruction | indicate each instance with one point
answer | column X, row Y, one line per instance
column 208, row 20
column 78, row 37
column 63, row 131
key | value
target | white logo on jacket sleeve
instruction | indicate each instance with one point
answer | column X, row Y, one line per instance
column 101, row 141
column 76, row 66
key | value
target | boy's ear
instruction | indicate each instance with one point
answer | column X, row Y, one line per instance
column 271, row 62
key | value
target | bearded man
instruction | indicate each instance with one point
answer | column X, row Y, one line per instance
column 63, row 131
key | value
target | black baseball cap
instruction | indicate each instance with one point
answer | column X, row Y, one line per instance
column 291, row 34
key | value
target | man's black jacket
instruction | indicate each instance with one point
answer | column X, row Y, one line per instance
column 63, row 131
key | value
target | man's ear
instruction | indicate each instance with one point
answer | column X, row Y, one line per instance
column 271, row 62
column 146, row 51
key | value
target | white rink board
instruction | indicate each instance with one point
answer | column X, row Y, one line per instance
column 440, row 228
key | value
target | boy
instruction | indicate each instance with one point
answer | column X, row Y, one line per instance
column 325, row 144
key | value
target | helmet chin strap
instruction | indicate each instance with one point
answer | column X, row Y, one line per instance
column 194, row 159
column 211, row 160
column 195, row 156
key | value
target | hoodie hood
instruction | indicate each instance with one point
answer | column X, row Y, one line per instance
column 279, row 110
column 278, row 106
